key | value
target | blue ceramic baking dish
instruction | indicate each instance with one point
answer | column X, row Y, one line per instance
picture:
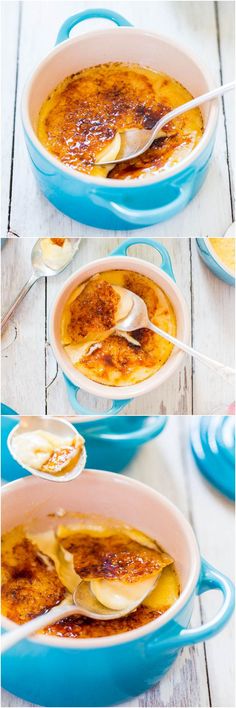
column 55, row 671
column 111, row 443
column 109, row 203
column 211, row 259
column 164, row 277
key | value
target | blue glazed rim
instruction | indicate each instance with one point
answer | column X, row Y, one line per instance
column 213, row 262
column 139, row 436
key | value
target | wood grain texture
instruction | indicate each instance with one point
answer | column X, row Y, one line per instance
column 36, row 385
column 202, row 675
column 212, row 305
column 210, row 213
column 11, row 19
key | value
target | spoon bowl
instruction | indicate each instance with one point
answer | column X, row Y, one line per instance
column 88, row 605
column 137, row 316
column 41, row 268
column 56, row 426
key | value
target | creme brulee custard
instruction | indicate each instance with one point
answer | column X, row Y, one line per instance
column 82, row 119
column 90, row 329
column 225, row 250
column 41, row 569
column 56, row 252
column 47, row 452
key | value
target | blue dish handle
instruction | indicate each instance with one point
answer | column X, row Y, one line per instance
column 116, row 406
column 210, row 579
column 73, row 20
column 147, row 217
column 165, row 263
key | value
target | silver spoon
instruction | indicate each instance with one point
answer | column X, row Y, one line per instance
column 138, row 317
column 40, row 270
column 136, row 141
column 83, row 602
column 56, row 426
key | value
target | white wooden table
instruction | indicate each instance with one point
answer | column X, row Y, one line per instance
column 30, row 30
column 202, row 675
column 31, row 380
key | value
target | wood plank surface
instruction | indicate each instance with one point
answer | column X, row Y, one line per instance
column 11, row 19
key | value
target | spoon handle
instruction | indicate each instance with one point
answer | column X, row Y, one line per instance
column 19, row 298
column 225, row 372
column 209, row 96
column 9, row 639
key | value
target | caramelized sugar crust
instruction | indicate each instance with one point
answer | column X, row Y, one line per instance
column 117, row 354
column 114, row 360
column 116, row 557
column 85, row 111
column 58, row 241
column 67, row 456
column 94, row 308
column 30, row 583
column 76, row 627
column 154, row 159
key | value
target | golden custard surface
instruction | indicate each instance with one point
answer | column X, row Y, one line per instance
column 31, row 585
column 86, row 111
column 225, row 250
column 92, row 339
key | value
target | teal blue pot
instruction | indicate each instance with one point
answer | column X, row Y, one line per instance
column 108, row 203
column 111, row 443
column 119, row 397
column 212, row 261
column 105, row 671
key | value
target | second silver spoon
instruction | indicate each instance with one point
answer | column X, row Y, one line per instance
column 39, row 270
column 56, row 426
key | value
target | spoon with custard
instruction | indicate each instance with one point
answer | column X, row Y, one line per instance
column 49, row 257
column 48, row 447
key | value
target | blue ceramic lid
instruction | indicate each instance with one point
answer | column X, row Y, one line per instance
column 213, row 446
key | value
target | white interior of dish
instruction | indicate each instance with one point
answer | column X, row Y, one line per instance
column 179, row 306
column 123, row 45
column 116, row 497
